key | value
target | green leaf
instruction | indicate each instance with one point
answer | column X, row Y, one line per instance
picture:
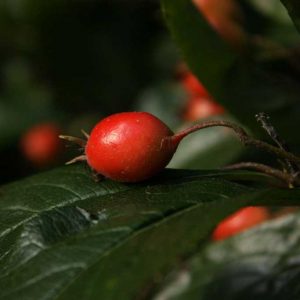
column 244, row 85
column 273, row 9
column 64, row 236
column 261, row 263
column 293, row 7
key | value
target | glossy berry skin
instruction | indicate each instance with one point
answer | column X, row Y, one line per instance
column 40, row 144
column 241, row 220
column 129, row 147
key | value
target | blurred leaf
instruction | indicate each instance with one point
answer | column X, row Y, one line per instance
column 63, row 236
column 270, row 21
column 242, row 85
column 261, row 263
column 208, row 56
column 273, row 9
column 293, row 7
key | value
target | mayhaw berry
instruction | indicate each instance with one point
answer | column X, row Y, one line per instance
column 129, row 146
column 40, row 144
column 225, row 17
column 241, row 220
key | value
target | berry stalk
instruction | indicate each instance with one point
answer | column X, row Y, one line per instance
column 241, row 134
column 290, row 179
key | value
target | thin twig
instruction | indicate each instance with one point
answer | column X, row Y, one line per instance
column 263, row 119
column 287, row 178
column 243, row 137
column 87, row 136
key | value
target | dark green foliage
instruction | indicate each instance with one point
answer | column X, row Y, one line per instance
column 65, row 236
column 262, row 263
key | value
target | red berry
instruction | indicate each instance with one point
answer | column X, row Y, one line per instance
column 40, row 144
column 129, row 146
column 239, row 221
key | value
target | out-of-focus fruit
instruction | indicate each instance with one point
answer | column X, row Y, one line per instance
column 241, row 220
column 41, row 145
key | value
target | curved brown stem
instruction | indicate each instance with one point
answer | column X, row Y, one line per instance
column 289, row 179
column 243, row 137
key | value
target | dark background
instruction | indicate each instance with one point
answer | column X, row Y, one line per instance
column 74, row 62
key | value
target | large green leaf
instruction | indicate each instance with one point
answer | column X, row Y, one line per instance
column 242, row 84
column 273, row 9
column 293, row 7
column 262, row 263
column 64, row 236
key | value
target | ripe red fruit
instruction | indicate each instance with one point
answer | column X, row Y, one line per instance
column 241, row 220
column 129, row 146
column 40, row 144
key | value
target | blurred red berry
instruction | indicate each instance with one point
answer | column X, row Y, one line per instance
column 40, row 144
column 200, row 103
column 241, row 220
column 200, row 108
column 193, row 86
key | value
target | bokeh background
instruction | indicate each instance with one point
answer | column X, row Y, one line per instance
column 71, row 63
